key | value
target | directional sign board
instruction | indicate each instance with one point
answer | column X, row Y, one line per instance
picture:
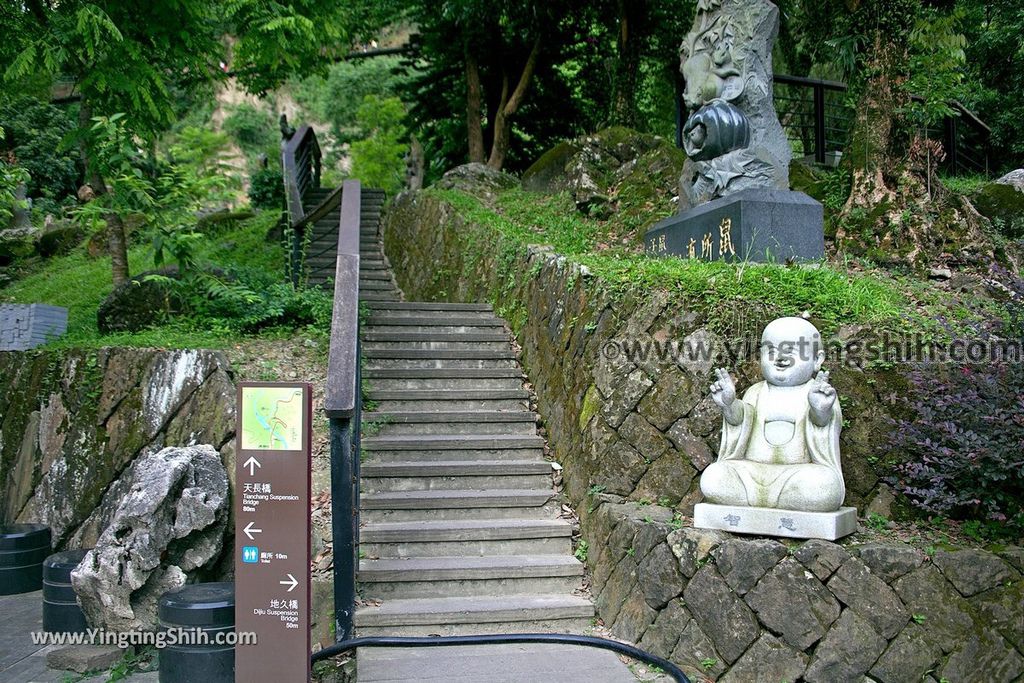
column 272, row 475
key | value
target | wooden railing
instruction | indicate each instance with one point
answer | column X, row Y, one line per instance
column 342, row 403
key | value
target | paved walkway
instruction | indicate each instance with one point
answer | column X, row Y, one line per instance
column 21, row 661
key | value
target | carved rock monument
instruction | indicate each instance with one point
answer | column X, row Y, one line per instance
column 734, row 196
column 778, row 470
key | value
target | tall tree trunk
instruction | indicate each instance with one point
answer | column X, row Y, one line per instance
column 632, row 15
column 474, row 106
column 509, row 106
column 117, row 244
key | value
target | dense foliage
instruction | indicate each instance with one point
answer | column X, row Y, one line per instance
column 37, row 139
column 964, row 446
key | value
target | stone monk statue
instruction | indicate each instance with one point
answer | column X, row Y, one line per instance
column 780, row 442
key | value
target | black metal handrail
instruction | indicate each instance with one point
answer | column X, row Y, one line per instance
column 821, row 124
column 342, row 403
column 301, row 165
column 506, row 638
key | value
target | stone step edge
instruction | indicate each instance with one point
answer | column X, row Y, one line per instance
column 464, row 530
column 460, row 416
column 416, row 442
column 512, row 608
column 467, row 568
column 454, row 468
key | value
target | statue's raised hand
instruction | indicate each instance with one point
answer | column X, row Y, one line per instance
column 723, row 391
column 821, row 398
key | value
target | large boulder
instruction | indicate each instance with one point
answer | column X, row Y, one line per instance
column 1002, row 200
column 478, row 179
column 17, row 243
column 615, row 172
column 141, row 302
column 168, row 527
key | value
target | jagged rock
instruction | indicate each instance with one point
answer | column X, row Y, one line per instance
column 171, row 521
column 623, row 397
column 695, row 448
column 793, row 603
column 661, row 637
column 846, row 652
column 633, row 619
column 59, row 239
column 1015, row 556
column 721, row 614
column 616, row 170
column 139, row 303
column 984, row 655
column 620, row 585
column 643, row 437
column 668, row 477
column 693, row 546
column 1002, row 199
column 928, row 596
column 972, row 571
column 908, row 658
column 869, row 596
column 821, row 557
column 672, row 397
column 1001, row 608
column 768, row 660
column 84, row 658
column 17, row 243
column 881, row 504
column 478, row 179
column 889, row 561
column 621, row 468
column 659, row 577
column 742, row 563
column 696, row 651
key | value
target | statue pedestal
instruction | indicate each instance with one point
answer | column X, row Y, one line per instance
column 771, row 522
column 751, row 225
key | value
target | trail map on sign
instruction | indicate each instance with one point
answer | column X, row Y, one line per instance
column 272, row 418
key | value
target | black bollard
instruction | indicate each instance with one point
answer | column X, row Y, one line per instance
column 23, row 547
column 195, row 610
column 61, row 611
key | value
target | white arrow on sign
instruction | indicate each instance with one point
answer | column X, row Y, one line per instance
column 252, row 464
column 249, row 531
column 292, row 583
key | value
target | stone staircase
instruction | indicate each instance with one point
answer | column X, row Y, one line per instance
column 460, row 534
column 375, row 281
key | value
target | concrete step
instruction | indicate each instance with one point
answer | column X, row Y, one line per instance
column 452, row 417
column 447, row 500
column 413, row 337
column 365, row 274
column 386, row 428
column 449, row 331
column 405, row 506
column 447, row 577
column 454, row 475
column 403, row 322
column 385, row 406
column 429, row 455
column 435, row 306
column 446, row 383
column 467, row 538
column 369, row 284
column 418, row 372
column 434, row 395
column 440, row 354
column 398, row 363
column 450, row 616
column 379, row 296
column 494, row 663
column 435, row 346
column 445, row 443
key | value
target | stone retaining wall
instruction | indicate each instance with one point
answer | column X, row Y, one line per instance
column 643, row 429
column 71, row 422
column 740, row 610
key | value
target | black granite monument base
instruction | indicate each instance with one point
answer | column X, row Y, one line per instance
column 751, row 225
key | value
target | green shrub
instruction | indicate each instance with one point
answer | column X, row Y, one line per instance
column 36, row 134
column 266, row 189
column 378, row 160
column 253, row 129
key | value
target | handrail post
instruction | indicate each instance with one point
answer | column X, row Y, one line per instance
column 342, row 403
column 819, row 123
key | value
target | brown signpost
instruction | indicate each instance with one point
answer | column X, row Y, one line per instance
column 272, row 530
